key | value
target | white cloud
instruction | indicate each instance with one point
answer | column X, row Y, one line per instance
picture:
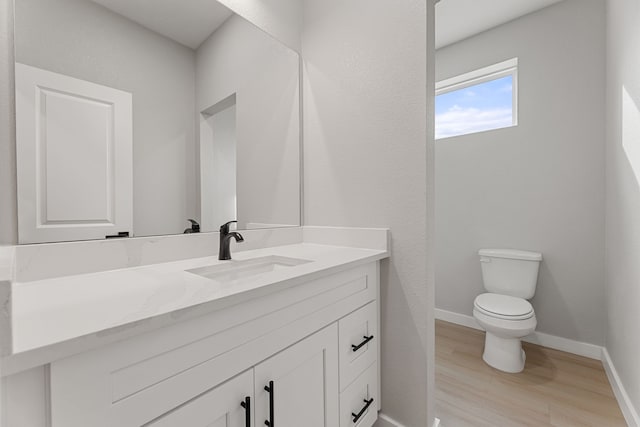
column 461, row 121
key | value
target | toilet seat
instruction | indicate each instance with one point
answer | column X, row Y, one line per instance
column 503, row 306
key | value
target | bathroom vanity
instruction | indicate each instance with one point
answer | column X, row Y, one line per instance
column 144, row 129
column 281, row 336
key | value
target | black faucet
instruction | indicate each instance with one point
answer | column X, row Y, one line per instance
column 195, row 227
column 225, row 239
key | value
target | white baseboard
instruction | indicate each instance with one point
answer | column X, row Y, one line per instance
column 629, row 412
column 591, row 351
column 585, row 349
column 386, row 421
column 457, row 318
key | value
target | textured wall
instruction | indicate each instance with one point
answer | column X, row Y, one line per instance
column 540, row 185
column 623, row 192
column 280, row 18
column 8, row 208
column 367, row 84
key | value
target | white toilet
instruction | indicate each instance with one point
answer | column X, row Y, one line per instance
column 510, row 277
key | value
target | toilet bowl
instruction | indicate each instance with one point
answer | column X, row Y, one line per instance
column 510, row 277
column 506, row 320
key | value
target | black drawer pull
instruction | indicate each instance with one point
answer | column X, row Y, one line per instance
column 269, row 389
column 247, row 410
column 359, row 346
column 357, row 416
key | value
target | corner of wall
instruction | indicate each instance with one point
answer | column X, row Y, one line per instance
column 281, row 18
column 8, row 210
column 431, row 225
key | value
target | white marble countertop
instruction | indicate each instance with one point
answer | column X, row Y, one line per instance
column 56, row 310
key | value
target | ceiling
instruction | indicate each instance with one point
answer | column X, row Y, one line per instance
column 458, row 19
column 188, row 22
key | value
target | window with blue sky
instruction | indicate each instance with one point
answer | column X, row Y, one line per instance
column 463, row 107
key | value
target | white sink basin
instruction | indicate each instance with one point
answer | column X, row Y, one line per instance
column 234, row 270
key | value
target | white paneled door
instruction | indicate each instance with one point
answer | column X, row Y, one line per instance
column 74, row 158
column 299, row 386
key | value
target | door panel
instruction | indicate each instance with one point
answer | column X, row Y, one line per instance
column 74, row 158
column 305, row 383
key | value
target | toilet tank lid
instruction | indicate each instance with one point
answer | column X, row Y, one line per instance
column 510, row 254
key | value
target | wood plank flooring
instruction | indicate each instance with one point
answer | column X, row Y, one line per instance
column 555, row 389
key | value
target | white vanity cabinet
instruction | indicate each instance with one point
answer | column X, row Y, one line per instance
column 303, row 355
column 298, row 386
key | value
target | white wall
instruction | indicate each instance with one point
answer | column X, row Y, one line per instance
column 263, row 74
column 540, row 185
column 218, row 143
column 81, row 39
column 367, row 84
column 8, row 208
column 623, row 192
column 280, row 18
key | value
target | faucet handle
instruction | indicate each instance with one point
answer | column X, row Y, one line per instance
column 195, row 227
column 224, row 228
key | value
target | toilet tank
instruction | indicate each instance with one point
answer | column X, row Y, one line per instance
column 510, row 272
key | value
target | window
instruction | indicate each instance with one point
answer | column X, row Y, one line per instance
column 477, row 101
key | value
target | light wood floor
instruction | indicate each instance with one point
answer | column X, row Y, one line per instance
column 555, row 388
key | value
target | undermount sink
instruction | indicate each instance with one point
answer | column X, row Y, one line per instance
column 234, row 270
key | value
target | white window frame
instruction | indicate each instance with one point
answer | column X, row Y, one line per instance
column 482, row 75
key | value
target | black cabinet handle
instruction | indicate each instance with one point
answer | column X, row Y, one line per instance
column 269, row 389
column 247, row 410
column 117, row 236
column 357, row 416
column 359, row 346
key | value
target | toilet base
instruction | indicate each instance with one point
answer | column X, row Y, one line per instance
column 504, row 354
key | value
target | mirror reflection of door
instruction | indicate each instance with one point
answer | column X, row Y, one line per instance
column 180, row 62
column 218, row 163
column 74, row 158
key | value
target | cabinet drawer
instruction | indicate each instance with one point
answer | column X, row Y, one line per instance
column 358, row 341
column 359, row 402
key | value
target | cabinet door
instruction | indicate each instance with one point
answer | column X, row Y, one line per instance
column 302, row 382
column 219, row 407
column 74, row 158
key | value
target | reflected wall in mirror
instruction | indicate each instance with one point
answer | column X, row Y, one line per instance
column 213, row 124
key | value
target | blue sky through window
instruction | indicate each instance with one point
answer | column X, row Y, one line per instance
column 485, row 106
